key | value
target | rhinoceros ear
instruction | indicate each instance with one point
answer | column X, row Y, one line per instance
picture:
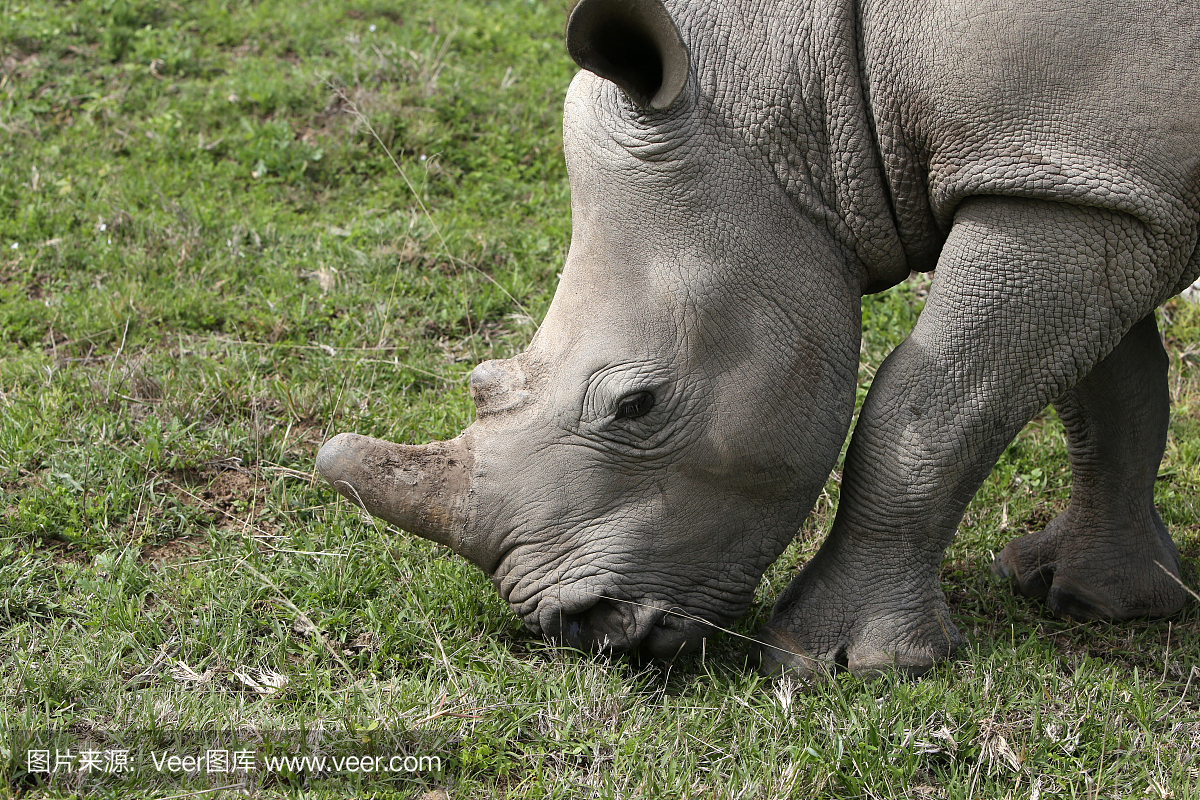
column 634, row 44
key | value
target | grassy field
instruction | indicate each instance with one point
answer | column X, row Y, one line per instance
column 229, row 229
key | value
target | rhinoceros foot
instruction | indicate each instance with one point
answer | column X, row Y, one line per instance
column 1088, row 572
column 824, row 623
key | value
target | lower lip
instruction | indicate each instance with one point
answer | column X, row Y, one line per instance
column 667, row 643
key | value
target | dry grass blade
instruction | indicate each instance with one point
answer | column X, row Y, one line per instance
column 288, row 472
column 183, row 673
column 1175, row 578
column 265, row 684
column 168, row 651
column 364, row 516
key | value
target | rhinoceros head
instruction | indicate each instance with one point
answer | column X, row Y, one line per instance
column 631, row 475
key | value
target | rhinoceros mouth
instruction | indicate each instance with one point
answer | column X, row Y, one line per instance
column 675, row 636
column 616, row 625
column 597, row 622
column 599, row 611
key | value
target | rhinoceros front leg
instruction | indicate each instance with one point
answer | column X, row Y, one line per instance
column 1028, row 297
column 1100, row 558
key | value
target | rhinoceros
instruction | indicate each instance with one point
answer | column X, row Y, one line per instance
column 742, row 172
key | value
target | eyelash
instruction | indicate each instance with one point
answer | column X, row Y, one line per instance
column 635, row 405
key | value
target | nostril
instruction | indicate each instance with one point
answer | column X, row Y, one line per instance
column 569, row 629
column 572, row 623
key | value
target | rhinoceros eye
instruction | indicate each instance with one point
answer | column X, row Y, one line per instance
column 635, row 405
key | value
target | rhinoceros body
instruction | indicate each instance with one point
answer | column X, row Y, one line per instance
column 742, row 173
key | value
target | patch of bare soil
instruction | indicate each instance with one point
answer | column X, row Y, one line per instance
column 36, row 286
column 19, row 65
column 231, row 486
column 64, row 553
column 234, row 499
column 175, row 550
column 25, row 480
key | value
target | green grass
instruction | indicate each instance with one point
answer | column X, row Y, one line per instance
column 209, row 261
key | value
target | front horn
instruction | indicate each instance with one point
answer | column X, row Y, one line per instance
column 422, row 489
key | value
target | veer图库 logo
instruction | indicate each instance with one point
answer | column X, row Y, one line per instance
column 211, row 761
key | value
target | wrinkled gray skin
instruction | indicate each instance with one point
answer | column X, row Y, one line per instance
column 728, row 215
